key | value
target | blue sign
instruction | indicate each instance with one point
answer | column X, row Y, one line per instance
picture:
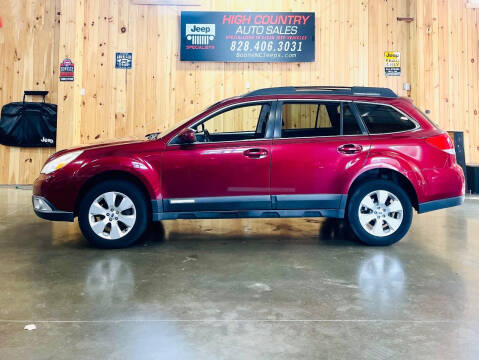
column 247, row 36
column 123, row 60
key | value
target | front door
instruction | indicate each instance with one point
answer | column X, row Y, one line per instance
column 319, row 142
column 227, row 168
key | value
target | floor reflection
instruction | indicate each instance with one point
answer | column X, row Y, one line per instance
column 417, row 298
column 110, row 281
column 151, row 340
column 381, row 280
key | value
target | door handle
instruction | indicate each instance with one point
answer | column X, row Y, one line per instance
column 350, row 149
column 255, row 153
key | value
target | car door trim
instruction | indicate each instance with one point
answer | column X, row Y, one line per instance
column 308, row 201
column 252, row 202
column 240, row 207
column 218, row 203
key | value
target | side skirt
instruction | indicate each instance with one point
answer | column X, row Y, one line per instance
column 333, row 213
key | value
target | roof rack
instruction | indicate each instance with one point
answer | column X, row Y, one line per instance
column 325, row 90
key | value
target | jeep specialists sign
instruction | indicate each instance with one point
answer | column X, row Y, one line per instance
column 247, row 36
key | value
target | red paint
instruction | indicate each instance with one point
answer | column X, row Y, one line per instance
column 314, row 165
column 215, row 169
column 322, row 165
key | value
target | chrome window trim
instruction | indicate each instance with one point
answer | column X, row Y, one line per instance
column 319, row 137
column 209, row 116
column 222, row 142
column 418, row 126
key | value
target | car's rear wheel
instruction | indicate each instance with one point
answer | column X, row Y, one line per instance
column 113, row 214
column 379, row 212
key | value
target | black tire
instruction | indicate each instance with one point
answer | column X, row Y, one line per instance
column 142, row 214
column 353, row 208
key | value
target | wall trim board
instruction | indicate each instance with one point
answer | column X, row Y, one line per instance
column 168, row 2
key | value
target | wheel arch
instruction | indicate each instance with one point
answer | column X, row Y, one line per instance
column 385, row 173
column 113, row 175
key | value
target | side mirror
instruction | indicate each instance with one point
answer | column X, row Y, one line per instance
column 187, row 136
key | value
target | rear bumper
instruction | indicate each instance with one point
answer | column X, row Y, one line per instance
column 49, row 212
column 440, row 204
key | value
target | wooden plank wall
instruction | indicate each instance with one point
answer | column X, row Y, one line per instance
column 161, row 90
column 445, row 80
column 28, row 61
column 438, row 51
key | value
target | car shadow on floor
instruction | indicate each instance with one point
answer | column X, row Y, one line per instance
column 336, row 232
column 326, row 232
column 154, row 235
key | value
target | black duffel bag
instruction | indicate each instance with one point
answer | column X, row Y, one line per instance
column 29, row 124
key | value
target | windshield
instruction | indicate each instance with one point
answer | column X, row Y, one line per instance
column 177, row 125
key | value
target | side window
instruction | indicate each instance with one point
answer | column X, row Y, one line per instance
column 310, row 119
column 350, row 124
column 382, row 119
column 240, row 123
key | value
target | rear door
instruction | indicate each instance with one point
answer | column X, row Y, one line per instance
column 317, row 145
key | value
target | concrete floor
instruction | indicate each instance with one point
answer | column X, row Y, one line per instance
column 239, row 289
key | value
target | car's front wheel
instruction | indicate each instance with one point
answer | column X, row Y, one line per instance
column 379, row 212
column 113, row 214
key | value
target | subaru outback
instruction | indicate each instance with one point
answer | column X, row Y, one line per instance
column 359, row 153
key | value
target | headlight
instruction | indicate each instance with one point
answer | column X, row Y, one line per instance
column 60, row 162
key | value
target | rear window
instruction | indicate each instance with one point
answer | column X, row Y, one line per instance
column 383, row 119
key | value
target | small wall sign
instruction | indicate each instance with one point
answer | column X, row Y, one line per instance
column 392, row 63
column 123, row 60
column 67, row 70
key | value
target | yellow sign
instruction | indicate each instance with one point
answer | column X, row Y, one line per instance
column 392, row 63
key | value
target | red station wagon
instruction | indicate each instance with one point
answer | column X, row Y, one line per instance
column 359, row 153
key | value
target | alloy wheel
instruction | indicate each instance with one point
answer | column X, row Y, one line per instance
column 380, row 213
column 112, row 215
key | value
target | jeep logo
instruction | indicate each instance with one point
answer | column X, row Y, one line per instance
column 200, row 30
column 46, row 140
column 200, row 34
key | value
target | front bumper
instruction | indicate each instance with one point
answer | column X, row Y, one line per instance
column 45, row 210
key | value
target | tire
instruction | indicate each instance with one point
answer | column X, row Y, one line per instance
column 377, row 200
column 119, row 228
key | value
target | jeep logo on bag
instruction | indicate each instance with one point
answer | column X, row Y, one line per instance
column 45, row 140
column 200, row 34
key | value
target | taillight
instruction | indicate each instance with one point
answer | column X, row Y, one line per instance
column 442, row 142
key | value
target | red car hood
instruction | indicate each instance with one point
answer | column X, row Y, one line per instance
column 97, row 146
